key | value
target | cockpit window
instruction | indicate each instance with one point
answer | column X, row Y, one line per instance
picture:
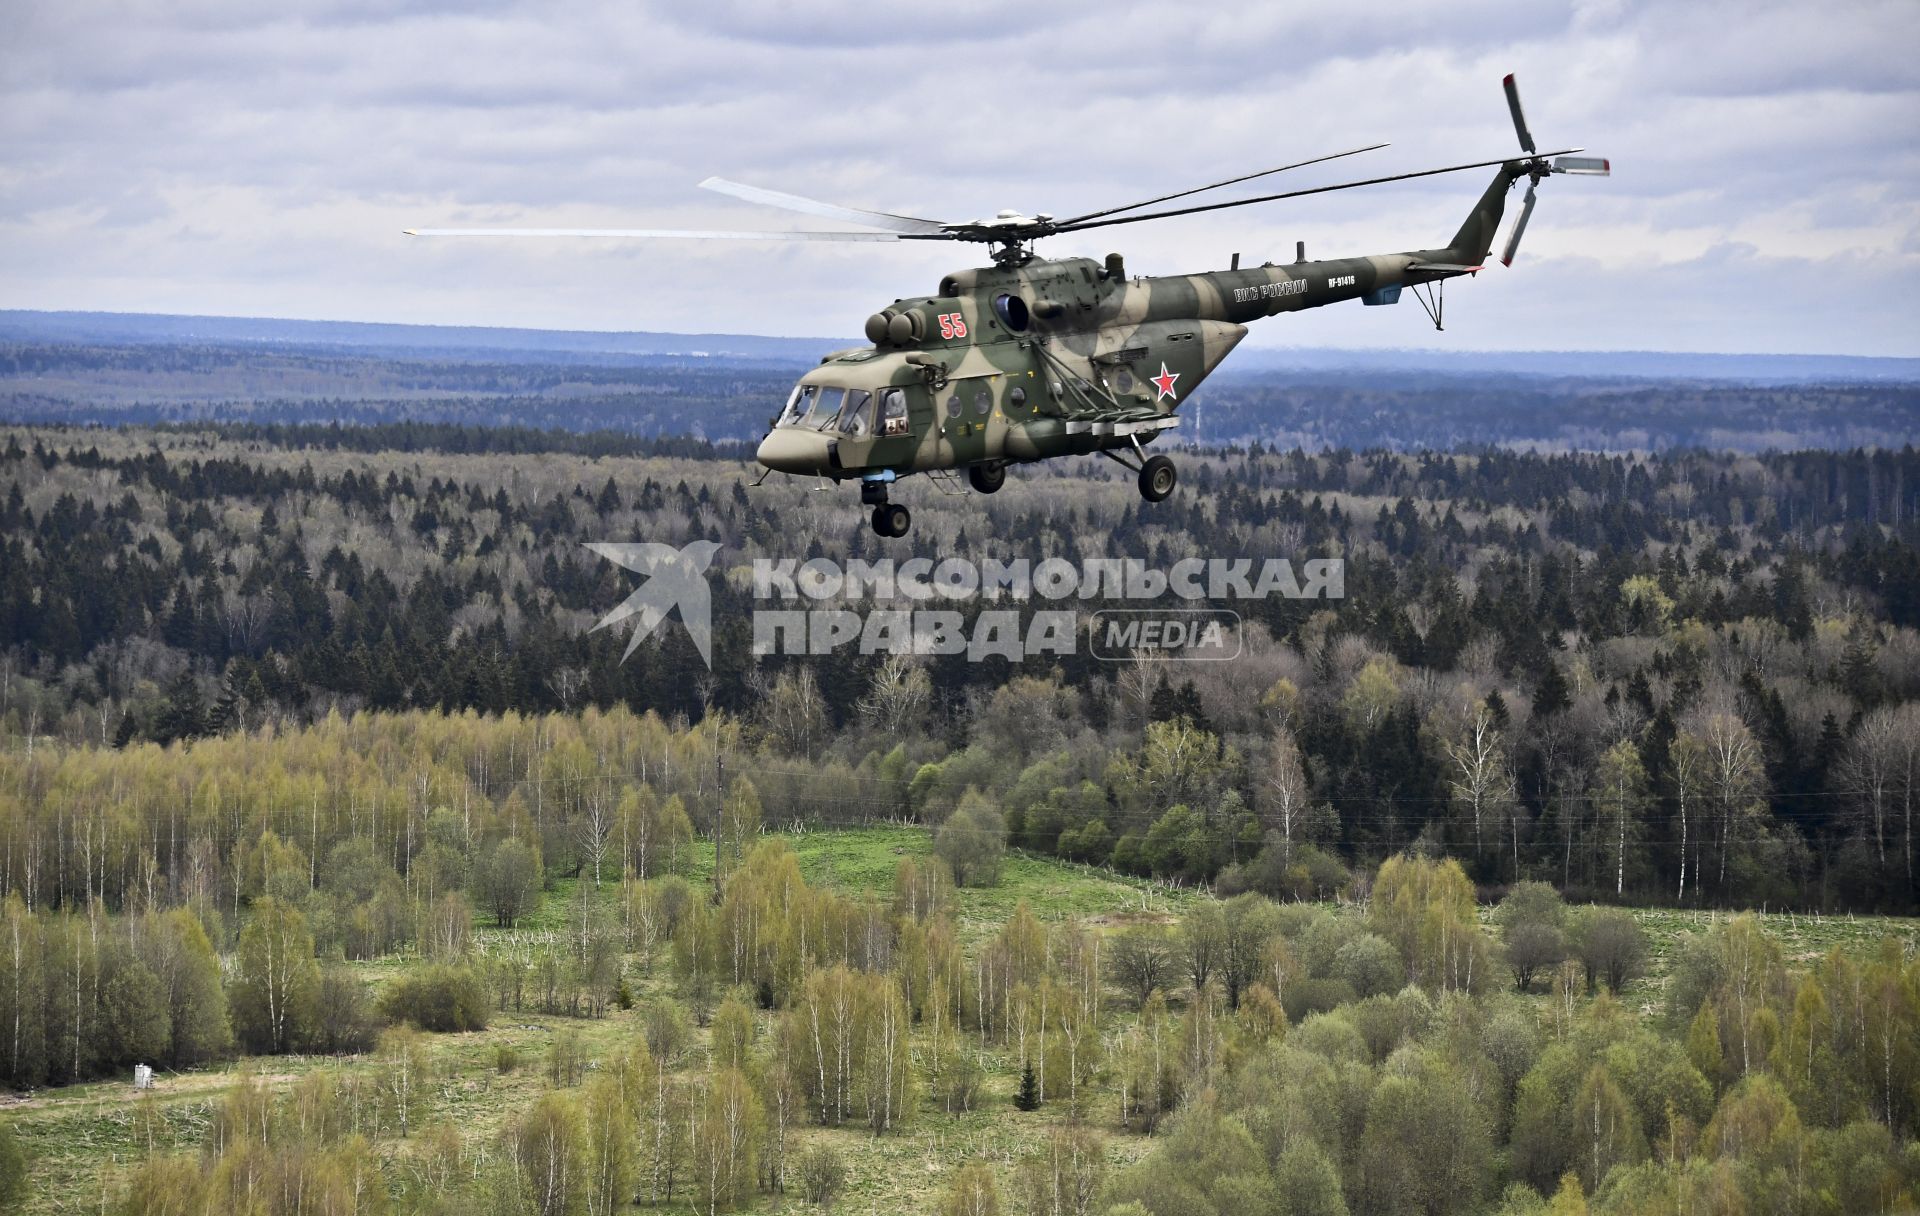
column 856, row 416
column 798, row 404
column 826, row 408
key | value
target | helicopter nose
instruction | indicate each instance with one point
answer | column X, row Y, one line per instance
column 791, row 451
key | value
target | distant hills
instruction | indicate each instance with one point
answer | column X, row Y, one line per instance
column 503, row 345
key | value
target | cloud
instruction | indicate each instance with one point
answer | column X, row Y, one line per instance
column 227, row 157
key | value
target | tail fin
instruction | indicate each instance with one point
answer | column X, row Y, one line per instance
column 1474, row 241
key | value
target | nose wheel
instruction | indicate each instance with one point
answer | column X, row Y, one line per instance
column 891, row 519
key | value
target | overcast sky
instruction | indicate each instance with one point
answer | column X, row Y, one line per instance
column 237, row 158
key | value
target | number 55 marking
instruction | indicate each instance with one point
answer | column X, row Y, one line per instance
column 952, row 325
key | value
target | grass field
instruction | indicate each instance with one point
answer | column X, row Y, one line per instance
column 81, row 1138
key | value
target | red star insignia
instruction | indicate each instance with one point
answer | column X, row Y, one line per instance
column 1164, row 382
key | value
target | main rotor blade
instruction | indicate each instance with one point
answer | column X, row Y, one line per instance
column 812, row 206
column 1268, row 198
column 1245, row 177
column 1519, row 229
column 1519, row 115
column 677, row 234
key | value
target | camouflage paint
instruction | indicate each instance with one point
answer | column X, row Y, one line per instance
column 1103, row 360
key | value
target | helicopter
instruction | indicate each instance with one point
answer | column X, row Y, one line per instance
column 1033, row 358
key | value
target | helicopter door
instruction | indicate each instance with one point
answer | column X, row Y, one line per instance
column 971, row 419
column 893, row 428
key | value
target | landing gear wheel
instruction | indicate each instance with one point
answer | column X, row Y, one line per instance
column 986, row 478
column 1157, row 478
column 891, row 519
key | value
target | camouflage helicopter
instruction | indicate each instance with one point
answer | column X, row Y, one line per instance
column 1032, row 358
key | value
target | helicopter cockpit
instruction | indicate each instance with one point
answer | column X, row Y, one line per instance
column 849, row 412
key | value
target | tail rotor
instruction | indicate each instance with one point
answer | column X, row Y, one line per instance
column 1537, row 167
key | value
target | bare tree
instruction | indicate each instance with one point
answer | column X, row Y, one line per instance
column 596, row 823
column 1687, row 760
column 1734, row 773
column 897, row 696
column 1480, row 772
column 1283, row 790
column 1140, row 676
column 1879, row 767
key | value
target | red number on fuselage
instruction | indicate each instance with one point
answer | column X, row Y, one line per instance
column 952, row 325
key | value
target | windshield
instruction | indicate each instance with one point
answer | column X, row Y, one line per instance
column 814, row 405
column 797, row 405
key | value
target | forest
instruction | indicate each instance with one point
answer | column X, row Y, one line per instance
column 661, row 388
column 1686, row 678
column 1565, row 864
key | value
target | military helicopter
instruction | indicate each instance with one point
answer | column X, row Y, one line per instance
column 1031, row 358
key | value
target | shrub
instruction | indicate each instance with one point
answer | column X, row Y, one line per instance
column 437, row 997
column 343, row 1016
column 1611, row 945
column 972, row 841
column 566, row 1059
column 1371, row 964
column 958, row 1084
column 1532, row 921
column 665, row 1029
column 823, row 1174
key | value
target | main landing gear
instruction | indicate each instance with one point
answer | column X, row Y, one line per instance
column 889, row 518
column 1157, row 478
column 986, row 478
column 1157, row 475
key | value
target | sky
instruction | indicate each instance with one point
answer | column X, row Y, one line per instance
column 235, row 158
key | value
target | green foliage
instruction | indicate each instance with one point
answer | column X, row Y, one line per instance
column 1532, row 920
column 972, row 1192
column 1425, row 1147
column 437, row 997
column 972, row 841
column 1305, row 1182
column 343, row 1019
column 566, row 1058
column 823, row 1175
column 1425, row 908
column 277, row 982
column 1029, row 1096
column 550, row 1176
column 1370, row 965
column 509, row 880
column 1611, row 946
column 13, row 1169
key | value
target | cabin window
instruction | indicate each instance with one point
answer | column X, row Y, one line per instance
column 1016, row 396
column 893, row 412
column 983, row 401
column 953, row 406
